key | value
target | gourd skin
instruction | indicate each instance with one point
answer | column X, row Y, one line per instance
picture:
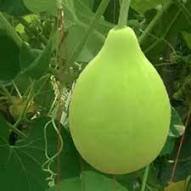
column 120, row 112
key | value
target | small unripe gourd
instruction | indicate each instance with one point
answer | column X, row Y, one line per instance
column 176, row 186
column 120, row 112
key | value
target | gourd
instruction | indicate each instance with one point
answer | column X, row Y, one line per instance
column 176, row 186
column 120, row 112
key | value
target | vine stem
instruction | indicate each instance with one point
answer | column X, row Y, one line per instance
column 154, row 22
column 124, row 12
column 60, row 84
column 145, row 177
column 179, row 148
column 100, row 11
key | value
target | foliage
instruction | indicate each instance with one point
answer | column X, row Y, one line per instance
column 38, row 68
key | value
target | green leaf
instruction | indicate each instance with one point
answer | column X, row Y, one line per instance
column 91, row 48
column 38, row 6
column 168, row 147
column 77, row 22
column 10, row 44
column 15, row 7
column 112, row 11
column 7, row 29
column 9, row 58
column 73, row 12
column 163, row 35
column 182, row 169
column 40, row 65
column 177, row 128
column 142, row 6
column 27, row 56
column 131, row 181
column 187, row 38
column 89, row 3
column 89, row 181
column 72, row 184
column 21, row 162
column 45, row 96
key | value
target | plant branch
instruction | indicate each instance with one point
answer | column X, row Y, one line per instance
column 124, row 12
column 100, row 11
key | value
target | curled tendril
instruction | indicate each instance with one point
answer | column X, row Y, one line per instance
column 46, row 166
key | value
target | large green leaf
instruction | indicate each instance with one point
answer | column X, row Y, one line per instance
column 7, row 29
column 39, row 66
column 89, row 3
column 21, row 162
column 73, row 12
column 72, row 184
column 15, row 7
column 161, row 44
column 112, row 11
column 177, row 128
column 89, row 181
column 9, row 58
column 10, row 44
column 164, row 32
column 183, row 168
column 27, row 56
column 75, row 34
column 77, row 22
column 37, row 6
column 187, row 37
column 142, row 6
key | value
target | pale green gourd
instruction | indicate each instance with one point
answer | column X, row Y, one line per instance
column 120, row 112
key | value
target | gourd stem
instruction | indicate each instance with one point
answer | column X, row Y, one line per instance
column 145, row 177
column 100, row 11
column 124, row 11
